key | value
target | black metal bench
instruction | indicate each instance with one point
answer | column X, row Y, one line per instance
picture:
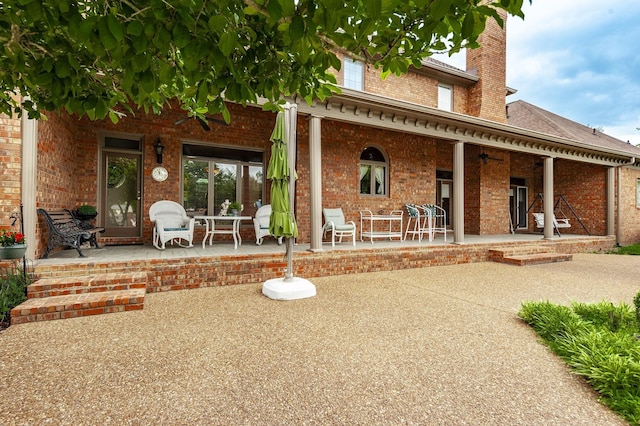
column 65, row 230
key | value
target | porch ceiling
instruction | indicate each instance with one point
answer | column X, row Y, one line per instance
column 377, row 111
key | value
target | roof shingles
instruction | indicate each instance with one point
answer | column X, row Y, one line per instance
column 526, row 116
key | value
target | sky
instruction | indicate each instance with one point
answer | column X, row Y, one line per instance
column 578, row 59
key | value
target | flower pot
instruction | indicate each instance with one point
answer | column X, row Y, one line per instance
column 235, row 212
column 15, row 251
column 85, row 216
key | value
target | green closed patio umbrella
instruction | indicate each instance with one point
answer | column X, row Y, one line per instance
column 282, row 222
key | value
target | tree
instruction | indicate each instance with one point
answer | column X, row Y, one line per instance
column 105, row 57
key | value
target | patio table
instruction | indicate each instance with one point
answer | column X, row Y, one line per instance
column 210, row 223
column 393, row 219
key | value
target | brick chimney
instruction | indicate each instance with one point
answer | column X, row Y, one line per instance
column 487, row 98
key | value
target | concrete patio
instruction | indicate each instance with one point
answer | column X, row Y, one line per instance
column 436, row 346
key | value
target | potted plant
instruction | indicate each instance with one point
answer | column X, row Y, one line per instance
column 12, row 245
column 86, row 212
column 235, row 208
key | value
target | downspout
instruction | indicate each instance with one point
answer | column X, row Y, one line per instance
column 619, row 195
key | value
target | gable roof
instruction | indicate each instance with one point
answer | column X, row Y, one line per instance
column 526, row 116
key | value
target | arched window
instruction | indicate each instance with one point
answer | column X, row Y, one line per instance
column 374, row 175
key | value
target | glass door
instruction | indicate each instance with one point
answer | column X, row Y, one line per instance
column 444, row 191
column 121, row 193
column 518, row 196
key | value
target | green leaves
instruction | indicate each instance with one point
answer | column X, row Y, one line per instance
column 599, row 342
column 95, row 58
column 227, row 43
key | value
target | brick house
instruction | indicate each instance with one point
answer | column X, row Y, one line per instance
column 436, row 135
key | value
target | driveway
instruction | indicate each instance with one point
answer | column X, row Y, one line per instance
column 434, row 346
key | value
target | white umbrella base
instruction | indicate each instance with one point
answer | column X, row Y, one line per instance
column 288, row 289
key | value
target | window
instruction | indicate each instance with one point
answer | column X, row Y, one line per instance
column 353, row 74
column 638, row 194
column 445, row 97
column 214, row 174
column 373, row 172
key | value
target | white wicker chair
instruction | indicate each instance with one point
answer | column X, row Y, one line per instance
column 171, row 224
column 261, row 224
column 335, row 223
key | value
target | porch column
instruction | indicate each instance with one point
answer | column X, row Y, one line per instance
column 458, row 192
column 611, row 200
column 548, row 198
column 315, row 182
column 29, row 175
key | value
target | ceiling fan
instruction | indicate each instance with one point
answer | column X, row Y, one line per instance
column 485, row 158
column 204, row 123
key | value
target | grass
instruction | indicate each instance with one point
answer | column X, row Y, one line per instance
column 600, row 342
column 632, row 249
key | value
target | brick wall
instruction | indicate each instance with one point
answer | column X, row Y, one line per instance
column 10, row 168
column 68, row 161
column 411, row 158
column 414, row 87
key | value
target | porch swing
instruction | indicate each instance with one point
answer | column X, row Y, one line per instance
column 561, row 220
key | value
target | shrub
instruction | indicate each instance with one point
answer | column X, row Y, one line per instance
column 599, row 342
column 86, row 210
column 636, row 302
column 12, row 290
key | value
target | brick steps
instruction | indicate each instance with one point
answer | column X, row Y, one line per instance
column 529, row 255
column 72, row 297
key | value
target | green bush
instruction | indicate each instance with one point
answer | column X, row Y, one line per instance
column 86, row 210
column 12, row 290
column 633, row 249
column 600, row 343
column 636, row 302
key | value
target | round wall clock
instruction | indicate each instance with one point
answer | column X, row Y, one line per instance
column 159, row 174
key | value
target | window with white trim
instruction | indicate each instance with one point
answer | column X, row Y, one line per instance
column 353, row 74
column 213, row 174
column 638, row 194
column 445, row 97
column 374, row 173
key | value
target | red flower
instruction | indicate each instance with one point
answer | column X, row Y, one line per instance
column 9, row 238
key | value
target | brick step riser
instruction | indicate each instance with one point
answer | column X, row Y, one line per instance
column 50, row 287
column 74, row 306
column 533, row 260
column 81, row 288
column 521, row 251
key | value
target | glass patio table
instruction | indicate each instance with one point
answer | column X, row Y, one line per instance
column 210, row 223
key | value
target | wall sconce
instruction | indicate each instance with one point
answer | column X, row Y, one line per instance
column 159, row 150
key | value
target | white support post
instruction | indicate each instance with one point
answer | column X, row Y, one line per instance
column 611, row 200
column 548, row 198
column 458, row 192
column 29, row 175
column 315, row 171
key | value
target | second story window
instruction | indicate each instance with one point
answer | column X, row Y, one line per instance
column 353, row 74
column 445, row 97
